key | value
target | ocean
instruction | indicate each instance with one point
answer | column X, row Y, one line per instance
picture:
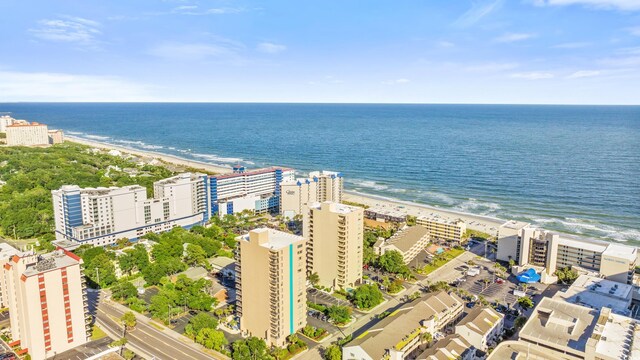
column 573, row 169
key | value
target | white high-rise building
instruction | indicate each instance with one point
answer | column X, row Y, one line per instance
column 47, row 302
column 100, row 216
column 320, row 186
column 5, row 120
column 255, row 190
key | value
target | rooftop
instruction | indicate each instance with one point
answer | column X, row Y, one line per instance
column 481, row 320
column 596, row 293
column 407, row 237
column 51, row 261
column 251, row 172
column 335, row 207
column 21, row 124
column 387, row 212
column 221, row 261
column 514, row 224
column 7, row 251
column 628, row 253
column 450, row 347
column 272, row 239
column 521, row 350
column 440, row 219
column 617, row 337
column 560, row 325
column 391, row 330
column 178, row 178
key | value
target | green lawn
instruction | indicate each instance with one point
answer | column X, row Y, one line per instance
column 448, row 255
column 97, row 333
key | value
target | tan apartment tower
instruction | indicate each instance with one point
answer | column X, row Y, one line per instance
column 320, row 186
column 271, row 284
column 334, row 249
column 47, row 302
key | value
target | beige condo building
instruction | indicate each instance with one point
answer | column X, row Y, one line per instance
column 442, row 229
column 334, row 249
column 271, row 284
column 34, row 134
column 47, row 302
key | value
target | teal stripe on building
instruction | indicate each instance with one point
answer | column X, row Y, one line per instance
column 291, row 327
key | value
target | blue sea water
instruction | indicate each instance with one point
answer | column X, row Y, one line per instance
column 574, row 169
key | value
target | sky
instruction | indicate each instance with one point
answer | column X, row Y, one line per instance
column 362, row 51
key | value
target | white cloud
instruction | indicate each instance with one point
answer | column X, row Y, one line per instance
column 584, row 74
column 195, row 10
column 68, row 29
column 478, row 10
column 42, row 86
column 535, row 75
column 271, row 48
column 513, row 37
column 396, row 81
column 628, row 5
column 491, row 67
column 221, row 49
column 635, row 31
column 572, row 45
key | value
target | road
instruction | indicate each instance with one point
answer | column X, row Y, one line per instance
column 147, row 338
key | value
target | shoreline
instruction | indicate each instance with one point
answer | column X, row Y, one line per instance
column 474, row 221
column 477, row 222
column 171, row 159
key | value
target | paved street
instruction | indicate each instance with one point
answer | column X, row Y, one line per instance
column 146, row 337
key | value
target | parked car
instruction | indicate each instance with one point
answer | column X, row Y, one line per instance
column 471, row 305
column 499, row 281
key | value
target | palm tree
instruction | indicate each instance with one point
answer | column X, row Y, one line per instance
column 314, row 278
column 128, row 320
column 426, row 338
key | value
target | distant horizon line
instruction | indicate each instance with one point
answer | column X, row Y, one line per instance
column 305, row 103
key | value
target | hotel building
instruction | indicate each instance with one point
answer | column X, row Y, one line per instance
column 34, row 134
column 320, row 186
column 334, row 248
column 408, row 242
column 481, row 327
column 47, row 302
column 550, row 251
column 100, row 216
column 256, row 190
column 271, row 284
column 442, row 229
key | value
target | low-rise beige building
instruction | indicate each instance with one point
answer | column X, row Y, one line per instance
column 442, row 229
column 34, row 134
column 334, row 248
column 481, row 327
column 47, row 302
column 450, row 347
column 271, row 284
column 408, row 241
column 399, row 334
column 569, row 331
column 56, row 137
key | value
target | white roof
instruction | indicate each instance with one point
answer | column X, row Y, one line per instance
column 583, row 244
column 596, row 293
column 276, row 239
column 628, row 253
column 7, row 251
column 619, row 338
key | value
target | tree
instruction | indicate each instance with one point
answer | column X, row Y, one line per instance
column 129, row 320
column 333, row 352
column 160, row 306
column 100, row 270
column 366, row 296
column 512, row 263
column 252, row 348
column 519, row 322
column 339, row 314
column 314, row 278
column 195, row 255
column 525, row 302
column 123, row 290
column 566, row 275
column 393, row 262
column 211, row 339
column 199, row 322
column 426, row 338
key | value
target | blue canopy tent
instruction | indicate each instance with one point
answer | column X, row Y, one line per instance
column 529, row 276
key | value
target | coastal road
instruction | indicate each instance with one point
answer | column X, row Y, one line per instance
column 445, row 273
column 145, row 337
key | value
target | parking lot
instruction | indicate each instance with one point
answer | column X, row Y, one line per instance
column 85, row 351
column 322, row 298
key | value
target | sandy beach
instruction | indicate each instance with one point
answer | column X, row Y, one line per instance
column 485, row 224
column 152, row 155
column 476, row 222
